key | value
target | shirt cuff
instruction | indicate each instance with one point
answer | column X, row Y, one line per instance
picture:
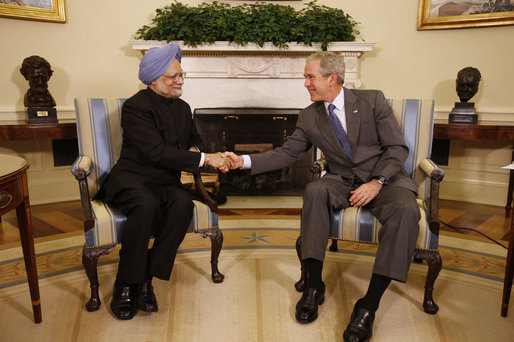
column 202, row 158
column 247, row 162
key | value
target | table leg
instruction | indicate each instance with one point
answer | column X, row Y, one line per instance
column 29, row 255
column 509, row 273
column 508, row 206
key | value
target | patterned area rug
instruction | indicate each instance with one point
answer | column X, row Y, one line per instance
column 257, row 299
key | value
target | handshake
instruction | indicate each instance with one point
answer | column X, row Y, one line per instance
column 224, row 161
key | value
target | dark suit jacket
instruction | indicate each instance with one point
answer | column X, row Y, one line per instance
column 376, row 141
column 157, row 133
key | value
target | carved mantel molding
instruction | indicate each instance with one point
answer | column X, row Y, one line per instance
column 226, row 60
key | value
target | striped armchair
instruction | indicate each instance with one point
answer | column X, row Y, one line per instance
column 99, row 139
column 416, row 118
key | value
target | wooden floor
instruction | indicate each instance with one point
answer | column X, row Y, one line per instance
column 57, row 220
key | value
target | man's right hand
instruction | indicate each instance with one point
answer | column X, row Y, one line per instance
column 237, row 161
column 218, row 161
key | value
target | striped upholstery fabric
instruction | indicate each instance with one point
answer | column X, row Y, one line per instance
column 358, row 224
column 99, row 139
column 416, row 118
column 99, row 136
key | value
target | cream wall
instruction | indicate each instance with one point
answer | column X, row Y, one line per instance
column 91, row 56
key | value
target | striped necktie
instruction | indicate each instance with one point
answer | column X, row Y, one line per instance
column 339, row 131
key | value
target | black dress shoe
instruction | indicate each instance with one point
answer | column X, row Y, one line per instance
column 146, row 298
column 307, row 306
column 123, row 304
column 360, row 327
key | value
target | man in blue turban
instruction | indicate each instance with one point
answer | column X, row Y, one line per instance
column 157, row 60
column 159, row 141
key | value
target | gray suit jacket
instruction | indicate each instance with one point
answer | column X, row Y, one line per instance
column 376, row 141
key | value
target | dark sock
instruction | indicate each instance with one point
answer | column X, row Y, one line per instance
column 314, row 268
column 377, row 286
column 118, row 283
column 148, row 276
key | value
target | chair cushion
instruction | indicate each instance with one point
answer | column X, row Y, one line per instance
column 109, row 223
column 359, row 224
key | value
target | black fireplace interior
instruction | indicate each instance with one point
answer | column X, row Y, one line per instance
column 251, row 130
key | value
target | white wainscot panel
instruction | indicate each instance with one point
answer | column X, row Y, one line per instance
column 475, row 173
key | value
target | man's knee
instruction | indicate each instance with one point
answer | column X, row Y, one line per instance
column 410, row 209
column 316, row 189
column 396, row 202
column 181, row 202
column 186, row 206
column 137, row 201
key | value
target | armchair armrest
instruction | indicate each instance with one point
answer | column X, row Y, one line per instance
column 81, row 168
column 83, row 163
column 318, row 166
column 195, row 182
column 432, row 170
column 436, row 175
column 204, row 195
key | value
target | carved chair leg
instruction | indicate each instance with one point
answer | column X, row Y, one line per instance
column 435, row 264
column 90, row 261
column 300, row 284
column 216, row 243
column 333, row 245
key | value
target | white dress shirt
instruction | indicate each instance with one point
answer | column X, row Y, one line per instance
column 339, row 110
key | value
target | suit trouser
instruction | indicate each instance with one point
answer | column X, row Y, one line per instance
column 163, row 212
column 395, row 207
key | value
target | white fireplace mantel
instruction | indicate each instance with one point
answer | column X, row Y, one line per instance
column 229, row 60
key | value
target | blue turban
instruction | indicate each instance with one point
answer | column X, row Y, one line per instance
column 157, row 60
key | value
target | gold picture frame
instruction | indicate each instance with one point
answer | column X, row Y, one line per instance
column 438, row 14
column 56, row 14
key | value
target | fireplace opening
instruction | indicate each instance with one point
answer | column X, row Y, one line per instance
column 253, row 130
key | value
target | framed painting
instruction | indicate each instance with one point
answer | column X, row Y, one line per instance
column 41, row 10
column 448, row 14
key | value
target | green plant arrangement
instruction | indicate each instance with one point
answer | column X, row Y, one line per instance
column 250, row 23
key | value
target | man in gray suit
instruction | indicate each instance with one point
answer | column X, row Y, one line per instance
column 366, row 169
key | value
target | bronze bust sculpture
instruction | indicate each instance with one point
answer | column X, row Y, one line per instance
column 467, row 83
column 38, row 99
column 466, row 86
column 37, row 71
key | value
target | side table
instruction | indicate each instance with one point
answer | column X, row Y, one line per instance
column 14, row 194
column 480, row 133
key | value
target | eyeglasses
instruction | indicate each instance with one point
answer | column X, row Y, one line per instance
column 174, row 76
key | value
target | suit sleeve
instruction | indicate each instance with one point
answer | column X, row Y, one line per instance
column 395, row 152
column 292, row 150
column 140, row 130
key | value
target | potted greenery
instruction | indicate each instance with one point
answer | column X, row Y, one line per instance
column 250, row 23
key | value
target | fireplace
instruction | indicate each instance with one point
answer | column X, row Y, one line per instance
column 253, row 130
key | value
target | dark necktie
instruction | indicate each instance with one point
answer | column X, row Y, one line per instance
column 339, row 131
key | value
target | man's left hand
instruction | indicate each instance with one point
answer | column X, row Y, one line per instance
column 365, row 193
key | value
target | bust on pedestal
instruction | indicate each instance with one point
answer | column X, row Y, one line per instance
column 40, row 103
column 467, row 86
